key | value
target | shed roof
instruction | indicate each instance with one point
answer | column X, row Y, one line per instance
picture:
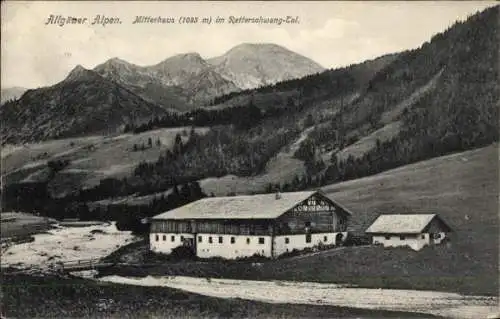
column 403, row 223
column 262, row 206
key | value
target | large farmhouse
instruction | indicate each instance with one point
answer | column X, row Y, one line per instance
column 413, row 230
column 240, row 226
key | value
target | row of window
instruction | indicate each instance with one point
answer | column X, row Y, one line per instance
column 262, row 240
column 172, row 238
column 308, row 239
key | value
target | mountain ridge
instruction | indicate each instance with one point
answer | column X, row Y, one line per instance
column 266, row 64
column 83, row 103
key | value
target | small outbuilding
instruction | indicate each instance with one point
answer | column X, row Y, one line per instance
column 413, row 230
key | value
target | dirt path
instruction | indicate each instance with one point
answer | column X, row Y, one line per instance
column 435, row 303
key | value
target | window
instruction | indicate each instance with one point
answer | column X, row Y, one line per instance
column 387, row 237
column 325, row 238
column 157, row 237
column 248, row 241
column 261, row 240
column 164, row 237
column 210, row 240
column 423, row 236
column 308, row 238
column 200, row 239
column 402, row 237
column 220, row 239
column 287, row 240
column 308, row 224
column 233, row 240
column 182, row 238
column 172, row 238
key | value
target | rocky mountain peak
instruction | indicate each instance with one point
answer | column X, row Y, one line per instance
column 80, row 73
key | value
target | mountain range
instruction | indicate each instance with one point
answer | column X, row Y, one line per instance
column 116, row 92
column 187, row 79
column 353, row 132
column 399, row 108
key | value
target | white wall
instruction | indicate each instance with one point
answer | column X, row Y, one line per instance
column 416, row 242
column 442, row 236
column 240, row 248
column 299, row 241
column 228, row 250
column 166, row 246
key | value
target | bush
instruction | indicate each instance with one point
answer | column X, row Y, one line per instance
column 58, row 164
column 254, row 258
column 183, row 252
column 293, row 253
column 358, row 240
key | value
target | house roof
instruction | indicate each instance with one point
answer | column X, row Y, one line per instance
column 263, row 206
column 402, row 223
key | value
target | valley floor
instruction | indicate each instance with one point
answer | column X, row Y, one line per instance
column 462, row 188
column 435, row 303
column 26, row 296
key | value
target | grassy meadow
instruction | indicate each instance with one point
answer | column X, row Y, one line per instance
column 90, row 158
column 462, row 188
column 78, row 298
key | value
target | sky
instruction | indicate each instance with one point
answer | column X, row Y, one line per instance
column 334, row 34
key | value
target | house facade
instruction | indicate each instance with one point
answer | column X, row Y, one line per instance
column 413, row 230
column 241, row 226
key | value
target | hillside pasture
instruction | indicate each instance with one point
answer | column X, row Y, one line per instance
column 462, row 188
column 365, row 144
column 132, row 200
column 283, row 167
column 90, row 158
column 395, row 112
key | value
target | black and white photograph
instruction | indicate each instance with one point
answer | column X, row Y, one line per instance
column 250, row 159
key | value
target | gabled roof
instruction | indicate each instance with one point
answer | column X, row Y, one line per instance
column 263, row 206
column 403, row 223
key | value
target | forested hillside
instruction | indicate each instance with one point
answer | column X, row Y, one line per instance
column 342, row 124
column 459, row 111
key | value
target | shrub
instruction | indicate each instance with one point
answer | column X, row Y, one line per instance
column 183, row 252
column 254, row 258
column 294, row 252
column 357, row 240
column 58, row 164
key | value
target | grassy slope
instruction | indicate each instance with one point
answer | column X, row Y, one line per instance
column 78, row 298
column 92, row 158
column 462, row 188
column 281, row 168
